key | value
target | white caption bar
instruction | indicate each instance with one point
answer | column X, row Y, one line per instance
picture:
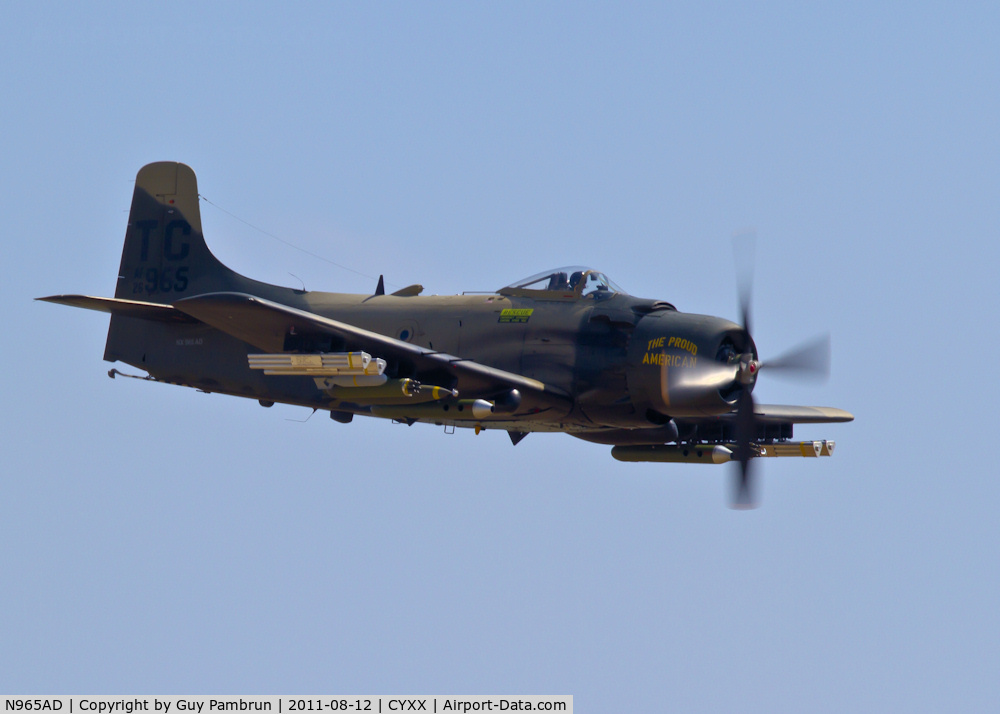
column 313, row 704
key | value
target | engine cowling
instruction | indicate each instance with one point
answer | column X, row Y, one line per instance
column 687, row 365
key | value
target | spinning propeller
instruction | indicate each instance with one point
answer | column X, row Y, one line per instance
column 811, row 360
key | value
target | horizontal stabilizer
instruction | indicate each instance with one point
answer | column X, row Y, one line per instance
column 125, row 308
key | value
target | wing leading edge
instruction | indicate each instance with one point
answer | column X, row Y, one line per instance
column 792, row 414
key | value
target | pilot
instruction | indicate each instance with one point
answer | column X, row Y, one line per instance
column 575, row 279
column 557, row 281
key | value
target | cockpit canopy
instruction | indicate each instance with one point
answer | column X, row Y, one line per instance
column 568, row 282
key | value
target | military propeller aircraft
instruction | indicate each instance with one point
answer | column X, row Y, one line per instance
column 566, row 350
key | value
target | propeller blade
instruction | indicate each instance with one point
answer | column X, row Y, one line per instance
column 810, row 359
column 746, row 430
column 744, row 247
column 743, row 498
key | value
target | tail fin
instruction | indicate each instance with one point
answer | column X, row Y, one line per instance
column 165, row 256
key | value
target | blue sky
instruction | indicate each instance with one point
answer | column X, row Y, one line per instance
column 155, row 539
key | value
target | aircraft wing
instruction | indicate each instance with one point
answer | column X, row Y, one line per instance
column 791, row 414
column 773, row 421
column 264, row 324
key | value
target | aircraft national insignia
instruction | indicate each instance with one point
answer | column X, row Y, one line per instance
column 512, row 315
column 635, row 374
